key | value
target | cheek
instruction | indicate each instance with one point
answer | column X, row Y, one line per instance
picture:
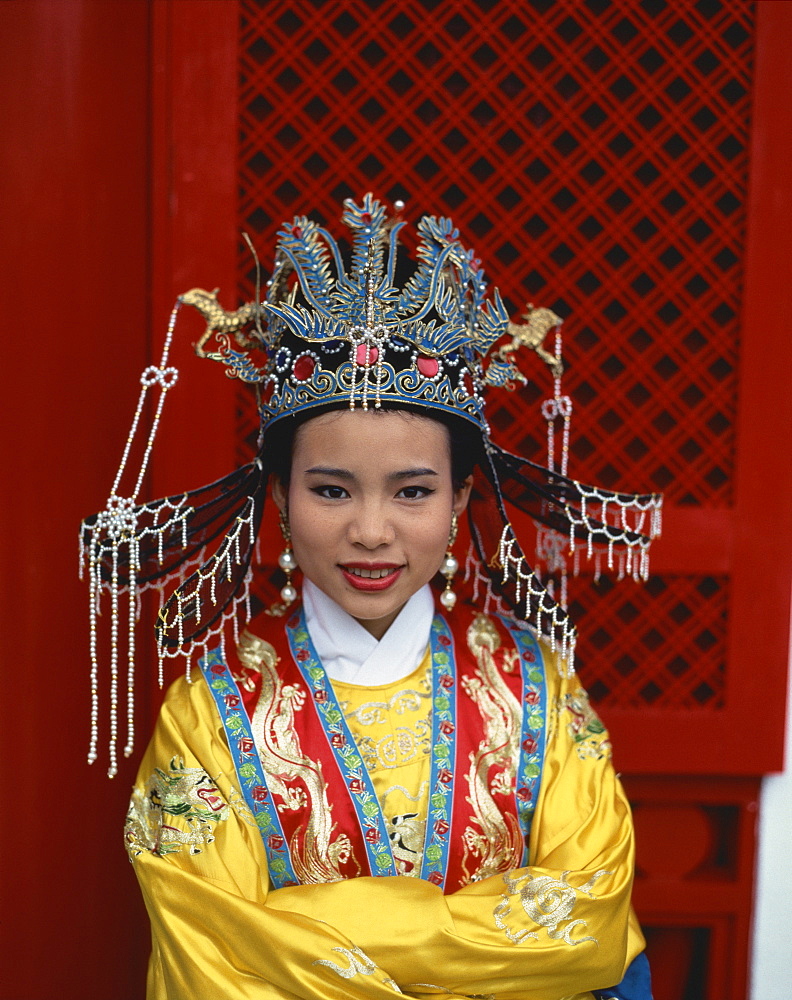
column 430, row 536
column 309, row 528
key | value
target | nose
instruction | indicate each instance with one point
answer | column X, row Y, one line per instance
column 370, row 528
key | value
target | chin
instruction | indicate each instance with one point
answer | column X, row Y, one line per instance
column 369, row 609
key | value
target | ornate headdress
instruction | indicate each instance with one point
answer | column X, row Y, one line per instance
column 330, row 336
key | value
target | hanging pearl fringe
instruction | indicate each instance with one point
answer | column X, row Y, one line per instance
column 220, row 565
column 118, row 531
column 622, row 536
column 538, row 606
column 483, row 594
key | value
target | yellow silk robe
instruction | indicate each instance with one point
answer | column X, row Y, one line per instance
column 552, row 931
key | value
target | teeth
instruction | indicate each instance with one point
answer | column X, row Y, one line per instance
column 368, row 574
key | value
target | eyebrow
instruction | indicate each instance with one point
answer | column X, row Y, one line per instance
column 325, row 470
column 347, row 476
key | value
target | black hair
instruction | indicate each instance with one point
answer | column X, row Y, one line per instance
column 465, row 439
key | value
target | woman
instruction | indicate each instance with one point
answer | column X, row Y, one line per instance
column 366, row 796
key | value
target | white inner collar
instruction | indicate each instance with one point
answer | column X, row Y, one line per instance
column 351, row 654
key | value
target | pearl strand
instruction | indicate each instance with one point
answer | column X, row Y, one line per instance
column 93, row 585
column 132, row 622
column 113, row 768
column 118, row 524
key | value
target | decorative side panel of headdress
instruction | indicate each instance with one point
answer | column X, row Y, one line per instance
column 130, row 547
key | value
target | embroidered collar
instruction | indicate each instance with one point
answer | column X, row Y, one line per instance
column 351, row 654
column 354, row 771
column 299, row 659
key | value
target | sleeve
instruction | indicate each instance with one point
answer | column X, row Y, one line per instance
column 559, row 928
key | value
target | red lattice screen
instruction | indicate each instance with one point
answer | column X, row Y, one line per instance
column 676, row 624
column 595, row 154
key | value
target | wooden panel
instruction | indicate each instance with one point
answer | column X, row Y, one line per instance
column 694, row 877
column 73, row 258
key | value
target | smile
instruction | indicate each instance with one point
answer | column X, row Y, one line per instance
column 371, row 578
column 369, row 574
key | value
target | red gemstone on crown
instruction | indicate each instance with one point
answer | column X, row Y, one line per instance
column 366, row 355
column 366, row 217
column 428, row 367
column 297, row 231
column 467, row 381
column 303, row 367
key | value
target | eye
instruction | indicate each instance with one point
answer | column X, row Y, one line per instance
column 330, row 492
column 414, row 492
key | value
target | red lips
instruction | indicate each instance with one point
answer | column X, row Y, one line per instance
column 371, row 584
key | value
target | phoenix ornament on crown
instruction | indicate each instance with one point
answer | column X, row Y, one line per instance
column 330, row 332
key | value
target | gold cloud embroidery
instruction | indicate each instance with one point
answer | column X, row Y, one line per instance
column 548, row 902
column 359, row 965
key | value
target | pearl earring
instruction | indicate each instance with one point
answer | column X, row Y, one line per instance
column 449, row 567
column 287, row 563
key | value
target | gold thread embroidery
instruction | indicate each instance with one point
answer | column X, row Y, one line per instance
column 359, row 965
column 187, row 795
column 585, row 727
column 405, row 793
column 393, row 735
column 548, row 902
column 237, row 802
column 496, row 842
column 402, row 746
column 291, row 775
column 371, row 712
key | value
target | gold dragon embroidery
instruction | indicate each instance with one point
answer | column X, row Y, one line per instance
column 316, row 855
column 585, row 727
column 496, row 842
column 177, row 808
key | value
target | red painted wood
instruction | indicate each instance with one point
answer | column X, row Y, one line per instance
column 755, row 537
column 78, row 272
column 194, row 228
column 696, row 849
column 73, row 259
column 762, row 570
column 750, row 542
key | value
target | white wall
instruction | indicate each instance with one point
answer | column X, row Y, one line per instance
column 771, row 968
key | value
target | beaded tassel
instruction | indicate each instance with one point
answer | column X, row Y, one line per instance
column 116, row 527
column 449, row 567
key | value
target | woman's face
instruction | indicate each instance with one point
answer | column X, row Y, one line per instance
column 369, row 506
